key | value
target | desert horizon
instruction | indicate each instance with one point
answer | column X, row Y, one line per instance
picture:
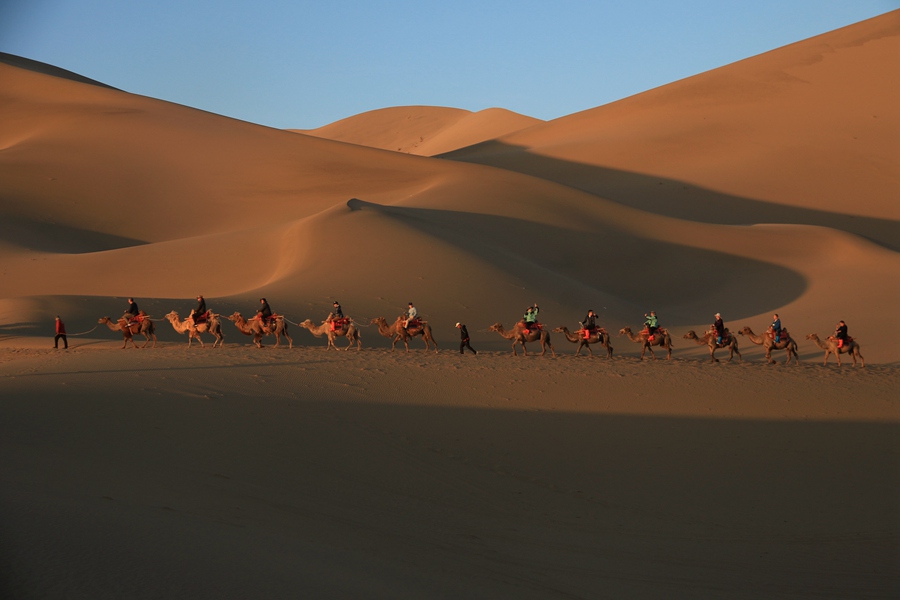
column 767, row 186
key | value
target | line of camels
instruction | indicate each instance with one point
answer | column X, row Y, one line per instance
column 519, row 335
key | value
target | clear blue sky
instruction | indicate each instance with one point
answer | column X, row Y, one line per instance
column 300, row 64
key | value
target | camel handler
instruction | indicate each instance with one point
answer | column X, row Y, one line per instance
column 719, row 326
column 464, row 339
column 60, row 333
column 411, row 315
column 589, row 324
column 264, row 314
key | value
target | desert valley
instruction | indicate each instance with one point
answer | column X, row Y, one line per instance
column 769, row 185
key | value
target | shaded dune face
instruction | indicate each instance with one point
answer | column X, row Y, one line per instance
column 637, row 271
column 674, row 198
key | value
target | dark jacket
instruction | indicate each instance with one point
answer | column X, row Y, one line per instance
column 841, row 332
column 265, row 312
column 338, row 311
column 132, row 309
column 720, row 326
column 463, row 333
column 589, row 322
column 201, row 307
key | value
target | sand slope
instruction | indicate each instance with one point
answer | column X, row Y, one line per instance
column 423, row 130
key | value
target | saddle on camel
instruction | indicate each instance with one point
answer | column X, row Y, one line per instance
column 414, row 324
column 726, row 337
column 337, row 323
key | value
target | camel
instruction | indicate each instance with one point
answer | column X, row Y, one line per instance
column 830, row 346
column 397, row 332
column 213, row 326
column 600, row 336
column 255, row 329
column 518, row 336
column 145, row 328
column 661, row 338
column 786, row 343
column 348, row 331
column 709, row 339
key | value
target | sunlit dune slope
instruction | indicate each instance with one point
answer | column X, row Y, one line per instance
column 105, row 194
column 807, row 133
column 423, row 130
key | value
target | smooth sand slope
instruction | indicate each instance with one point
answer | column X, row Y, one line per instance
column 423, row 130
column 742, row 190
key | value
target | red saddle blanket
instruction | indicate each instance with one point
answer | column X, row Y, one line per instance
column 203, row 318
column 337, row 324
column 414, row 323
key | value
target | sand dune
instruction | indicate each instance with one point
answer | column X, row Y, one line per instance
column 768, row 185
column 423, row 130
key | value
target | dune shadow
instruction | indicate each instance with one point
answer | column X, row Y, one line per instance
column 60, row 239
column 45, row 69
column 672, row 198
column 642, row 272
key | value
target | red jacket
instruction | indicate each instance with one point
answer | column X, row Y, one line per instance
column 60, row 328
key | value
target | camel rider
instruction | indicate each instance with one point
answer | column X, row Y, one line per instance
column 589, row 324
column 530, row 317
column 719, row 326
column 337, row 316
column 651, row 322
column 411, row 315
column 776, row 327
column 840, row 334
column 199, row 313
column 264, row 313
column 132, row 311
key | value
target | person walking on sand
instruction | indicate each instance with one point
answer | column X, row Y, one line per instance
column 60, row 333
column 464, row 339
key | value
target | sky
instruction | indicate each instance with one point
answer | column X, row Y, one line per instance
column 299, row 64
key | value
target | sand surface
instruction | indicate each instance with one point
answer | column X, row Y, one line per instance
column 769, row 185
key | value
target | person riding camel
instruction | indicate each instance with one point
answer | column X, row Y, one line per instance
column 412, row 316
column 133, row 311
column 337, row 317
column 652, row 323
column 719, row 326
column 530, row 317
column 264, row 314
column 840, row 334
column 776, row 328
column 589, row 324
column 199, row 314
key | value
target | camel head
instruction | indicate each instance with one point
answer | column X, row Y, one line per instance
column 625, row 331
column 378, row 320
column 813, row 336
column 496, row 327
column 172, row 316
column 561, row 329
column 104, row 320
column 746, row 331
column 690, row 335
column 235, row 317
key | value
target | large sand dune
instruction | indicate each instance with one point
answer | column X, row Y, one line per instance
column 769, row 185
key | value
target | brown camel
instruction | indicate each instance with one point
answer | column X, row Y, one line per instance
column 709, row 339
column 830, row 346
column 518, row 336
column 348, row 331
column 255, row 329
column 599, row 336
column 145, row 328
column 787, row 343
column 212, row 326
column 661, row 338
column 397, row 332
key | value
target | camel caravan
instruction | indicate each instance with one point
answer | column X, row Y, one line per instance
column 410, row 326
